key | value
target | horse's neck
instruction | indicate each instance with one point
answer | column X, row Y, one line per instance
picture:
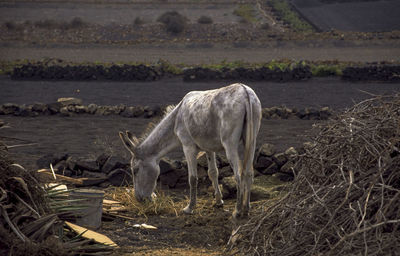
column 162, row 139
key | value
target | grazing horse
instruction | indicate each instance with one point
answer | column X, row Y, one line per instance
column 210, row 121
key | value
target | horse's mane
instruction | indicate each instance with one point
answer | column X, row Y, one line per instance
column 153, row 124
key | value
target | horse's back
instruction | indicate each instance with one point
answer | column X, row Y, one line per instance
column 203, row 113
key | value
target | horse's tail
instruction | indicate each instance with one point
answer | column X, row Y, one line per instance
column 249, row 138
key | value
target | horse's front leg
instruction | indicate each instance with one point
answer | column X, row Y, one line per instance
column 190, row 154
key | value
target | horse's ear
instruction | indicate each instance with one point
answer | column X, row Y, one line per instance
column 132, row 138
column 127, row 143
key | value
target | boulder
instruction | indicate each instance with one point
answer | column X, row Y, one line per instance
column 46, row 160
column 65, row 112
column 9, row 108
column 225, row 171
column 283, row 176
column 280, row 159
column 55, row 107
column 166, row 165
column 263, row 162
column 96, row 175
column 87, row 164
column 291, row 152
column 81, row 109
column 229, row 184
column 170, row 178
column 222, row 160
column 69, row 101
column 119, row 177
column 92, row 108
column 202, row 159
column 60, row 167
column 115, row 162
column 39, row 107
column 266, row 149
column 102, row 159
column 271, row 169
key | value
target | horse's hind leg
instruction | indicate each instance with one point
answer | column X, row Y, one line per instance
column 213, row 175
column 190, row 155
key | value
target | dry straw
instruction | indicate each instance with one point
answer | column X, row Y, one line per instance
column 345, row 199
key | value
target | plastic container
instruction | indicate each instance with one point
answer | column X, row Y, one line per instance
column 90, row 216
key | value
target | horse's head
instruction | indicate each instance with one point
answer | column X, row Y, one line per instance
column 145, row 170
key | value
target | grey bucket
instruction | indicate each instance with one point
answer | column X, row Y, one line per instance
column 90, row 216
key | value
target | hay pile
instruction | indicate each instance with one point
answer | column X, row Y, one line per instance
column 345, row 199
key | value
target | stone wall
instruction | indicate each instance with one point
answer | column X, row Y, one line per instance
column 73, row 106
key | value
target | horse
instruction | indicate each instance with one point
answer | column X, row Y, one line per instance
column 210, row 121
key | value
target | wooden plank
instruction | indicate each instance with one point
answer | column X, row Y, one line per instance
column 47, row 173
column 90, row 234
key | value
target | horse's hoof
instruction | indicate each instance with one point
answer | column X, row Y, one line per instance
column 187, row 210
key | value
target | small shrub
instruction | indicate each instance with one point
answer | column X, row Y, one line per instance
column 77, row 23
column 265, row 26
column 246, row 12
column 47, row 23
column 10, row 25
column 138, row 21
column 204, row 20
column 174, row 21
column 290, row 17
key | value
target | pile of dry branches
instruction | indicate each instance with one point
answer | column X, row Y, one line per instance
column 345, row 199
column 31, row 217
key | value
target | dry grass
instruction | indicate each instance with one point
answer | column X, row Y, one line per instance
column 160, row 205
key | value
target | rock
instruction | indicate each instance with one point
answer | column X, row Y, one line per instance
column 291, row 152
column 259, row 193
column 71, row 163
column 230, row 184
column 9, row 108
column 102, row 159
column 55, row 107
column 283, row 176
column 25, row 111
column 225, row 171
column 119, row 177
column 202, row 175
column 115, row 162
column 287, row 168
column 325, row 113
column 170, row 179
column 97, row 175
column 128, row 112
column 280, row 159
column 222, row 160
column 92, row 108
column 202, row 159
column 266, row 149
column 271, row 169
column 39, row 107
column 150, row 112
column 45, row 161
column 69, row 101
column 87, row 164
column 166, row 165
column 64, row 111
column 60, row 167
column 81, row 109
column 263, row 162
column 104, row 184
